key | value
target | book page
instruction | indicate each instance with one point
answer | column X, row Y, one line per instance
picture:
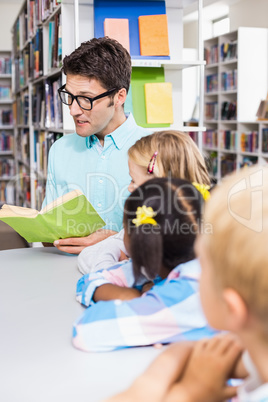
column 13, row 211
column 61, row 200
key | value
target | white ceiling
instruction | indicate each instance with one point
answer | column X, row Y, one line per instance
column 212, row 9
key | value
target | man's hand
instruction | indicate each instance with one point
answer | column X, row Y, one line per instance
column 76, row 244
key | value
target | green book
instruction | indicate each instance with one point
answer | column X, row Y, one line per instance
column 139, row 77
column 71, row 215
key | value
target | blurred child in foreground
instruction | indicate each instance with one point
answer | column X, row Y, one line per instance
column 233, row 289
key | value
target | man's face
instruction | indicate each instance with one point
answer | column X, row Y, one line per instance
column 98, row 120
column 211, row 296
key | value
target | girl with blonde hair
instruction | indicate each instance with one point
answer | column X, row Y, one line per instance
column 162, row 154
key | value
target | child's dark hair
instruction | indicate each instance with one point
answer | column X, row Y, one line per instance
column 169, row 242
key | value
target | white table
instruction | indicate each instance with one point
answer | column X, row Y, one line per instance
column 37, row 360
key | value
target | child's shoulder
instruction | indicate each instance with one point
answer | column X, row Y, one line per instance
column 187, row 270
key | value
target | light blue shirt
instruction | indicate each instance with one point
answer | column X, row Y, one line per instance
column 101, row 173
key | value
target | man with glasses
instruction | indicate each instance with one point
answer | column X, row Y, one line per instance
column 94, row 159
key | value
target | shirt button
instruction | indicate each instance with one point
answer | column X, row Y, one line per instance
column 102, row 156
column 100, row 181
column 99, row 204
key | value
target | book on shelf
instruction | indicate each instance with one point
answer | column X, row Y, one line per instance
column 7, row 192
column 228, row 51
column 249, row 141
column 262, row 112
column 211, row 110
column 211, row 54
column 158, row 102
column 139, row 77
column 228, row 164
column 211, row 83
column 229, row 80
column 6, row 141
column 210, row 138
column 7, row 168
column 265, row 140
column 228, row 110
column 153, row 32
column 130, row 10
column 248, row 161
column 6, row 118
column 118, row 29
column 5, row 65
column 228, row 139
column 71, row 215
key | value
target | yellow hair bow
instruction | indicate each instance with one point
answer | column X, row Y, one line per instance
column 203, row 189
column 144, row 215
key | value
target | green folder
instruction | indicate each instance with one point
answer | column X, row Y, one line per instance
column 139, row 77
column 71, row 215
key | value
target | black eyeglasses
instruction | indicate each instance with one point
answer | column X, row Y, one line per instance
column 84, row 102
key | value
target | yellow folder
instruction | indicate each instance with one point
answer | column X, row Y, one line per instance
column 158, row 102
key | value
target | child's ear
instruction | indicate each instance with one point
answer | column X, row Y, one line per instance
column 237, row 311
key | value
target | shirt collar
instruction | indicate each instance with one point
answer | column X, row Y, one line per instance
column 119, row 136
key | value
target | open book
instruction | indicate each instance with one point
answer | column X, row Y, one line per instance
column 71, row 215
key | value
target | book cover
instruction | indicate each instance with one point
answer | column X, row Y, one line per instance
column 118, row 29
column 71, row 215
column 158, row 102
column 153, row 31
column 139, row 77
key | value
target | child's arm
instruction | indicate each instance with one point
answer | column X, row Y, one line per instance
column 187, row 372
column 210, row 366
column 103, row 254
column 109, row 284
column 155, row 383
column 114, row 292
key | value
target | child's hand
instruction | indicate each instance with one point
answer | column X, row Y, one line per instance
column 147, row 286
column 208, row 369
column 123, row 256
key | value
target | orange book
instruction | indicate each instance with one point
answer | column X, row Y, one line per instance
column 118, row 29
column 153, row 31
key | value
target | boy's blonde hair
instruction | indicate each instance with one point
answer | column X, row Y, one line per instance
column 178, row 155
column 238, row 244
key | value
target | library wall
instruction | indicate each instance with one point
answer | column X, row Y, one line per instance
column 248, row 13
column 7, row 14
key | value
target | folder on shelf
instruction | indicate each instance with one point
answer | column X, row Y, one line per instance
column 158, row 101
column 118, row 29
column 153, row 31
column 71, row 215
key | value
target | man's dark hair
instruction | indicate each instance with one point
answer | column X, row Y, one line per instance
column 177, row 204
column 104, row 59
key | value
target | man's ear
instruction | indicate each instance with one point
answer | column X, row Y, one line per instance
column 121, row 97
column 237, row 311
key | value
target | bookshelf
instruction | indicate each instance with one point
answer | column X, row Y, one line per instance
column 235, row 83
column 43, row 33
column 7, row 139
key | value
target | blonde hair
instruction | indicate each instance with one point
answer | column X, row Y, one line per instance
column 237, row 244
column 178, row 155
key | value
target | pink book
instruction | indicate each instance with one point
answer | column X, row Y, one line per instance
column 117, row 28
